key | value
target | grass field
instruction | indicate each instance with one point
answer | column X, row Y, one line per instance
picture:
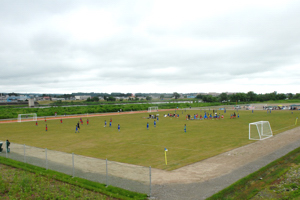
column 135, row 144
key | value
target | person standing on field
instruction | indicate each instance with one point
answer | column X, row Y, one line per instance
column 104, row 123
column 7, row 146
column 87, row 122
column 119, row 127
column 185, row 128
column 154, row 123
column 147, row 126
column 46, row 127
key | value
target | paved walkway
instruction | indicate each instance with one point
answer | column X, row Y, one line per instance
column 209, row 176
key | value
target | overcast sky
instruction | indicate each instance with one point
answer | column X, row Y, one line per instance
column 65, row 46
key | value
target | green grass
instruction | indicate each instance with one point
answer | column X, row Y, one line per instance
column 25, row 181
column 278, row 180
column 135, row 144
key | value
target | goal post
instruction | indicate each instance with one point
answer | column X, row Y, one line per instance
column 260, row 130
column 153, row 109
column 27, row 117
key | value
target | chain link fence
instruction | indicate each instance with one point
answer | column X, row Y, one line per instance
column 130, row 177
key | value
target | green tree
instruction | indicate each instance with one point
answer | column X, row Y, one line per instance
column 95, row 99
column 111, row 98
column 148, row 98
column 251, row 96
column 176, row 95
column 223, row 96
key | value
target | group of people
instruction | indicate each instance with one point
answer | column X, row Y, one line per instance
column 232, row 116
column 171, row 115
column 154, row 123
column 78, row 124
column 206, row 116
column 153, row 116
column 7, row 146
column 110, row 124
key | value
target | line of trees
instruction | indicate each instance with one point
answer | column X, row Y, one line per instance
column 246, row 97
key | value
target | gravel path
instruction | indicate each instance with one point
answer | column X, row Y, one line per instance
column 207, row 177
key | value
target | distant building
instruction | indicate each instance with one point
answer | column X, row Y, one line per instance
column 58, row 99
column 82, row 97
column 47, row 98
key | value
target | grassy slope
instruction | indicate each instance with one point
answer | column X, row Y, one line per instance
column 24, row 181
column 137, row 145
column 278, row 180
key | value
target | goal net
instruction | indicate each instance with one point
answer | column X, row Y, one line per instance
column 153, row 109
column 27, row 117
column 260, row 130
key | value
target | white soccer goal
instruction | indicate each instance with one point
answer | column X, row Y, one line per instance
column 153, row 109
column 260, row 130
column 27, row 117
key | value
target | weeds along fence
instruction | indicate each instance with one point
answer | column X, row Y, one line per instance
column 122, row 175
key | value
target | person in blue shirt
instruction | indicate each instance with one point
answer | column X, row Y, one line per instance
column 76, row 130
column 147, row 126
column 154, row 123
column 185, row 128
column 119, row 127
column 110, row 124
column 104, row 123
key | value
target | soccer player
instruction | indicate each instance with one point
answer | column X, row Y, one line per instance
column 110, row 124
column 104, row 123
column 78, row 126
column 147, row 126
column 46, row 127
column 87, row 122
column 76, row 130
column 61, row 121
column 36, row 123
column 119, row 127
column 185, row 128
column 45, row 119
column 157, row 118
column 154, row 123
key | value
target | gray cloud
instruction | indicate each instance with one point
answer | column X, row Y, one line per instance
column 148, row 46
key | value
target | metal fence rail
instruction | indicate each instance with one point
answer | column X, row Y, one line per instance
column 130, row 177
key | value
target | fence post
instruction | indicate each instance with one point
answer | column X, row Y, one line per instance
column 73, row 164
column 24, row 154
column 6, row 149
column 106, row 174
column 150, row 180
column 46, row 159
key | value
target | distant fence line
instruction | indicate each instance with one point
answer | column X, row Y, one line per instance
column 130, row 177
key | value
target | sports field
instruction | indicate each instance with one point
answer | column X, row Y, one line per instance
column 135, row 144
